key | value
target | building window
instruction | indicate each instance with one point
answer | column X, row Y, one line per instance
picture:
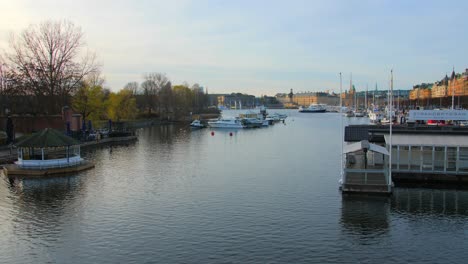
column 451, row 158
column 439, row 158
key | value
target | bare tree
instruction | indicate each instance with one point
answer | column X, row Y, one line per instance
column 132, row 86
column 151, row 87
column 95, row 78
column 166, row 97
column 50, row 62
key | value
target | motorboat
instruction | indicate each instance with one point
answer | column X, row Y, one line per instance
column 226, row 123
column 276, row 117
column 359, row 114
column 197, row 124
column 252, row 122
column 313, row 108
column 253, row 119
column 349, row 114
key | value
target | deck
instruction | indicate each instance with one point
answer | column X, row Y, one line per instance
column 14, row 170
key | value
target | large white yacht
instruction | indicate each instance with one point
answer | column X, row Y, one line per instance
column 313, row 108
column 226, row 123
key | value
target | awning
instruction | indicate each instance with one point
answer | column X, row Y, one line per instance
column 364, row 144
column 427, row 140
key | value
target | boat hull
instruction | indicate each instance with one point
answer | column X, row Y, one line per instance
column 225, row 126
column 312, row 111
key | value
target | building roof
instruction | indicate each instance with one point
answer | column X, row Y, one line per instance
column 356, row 133
column 364, row 144
column 47, row 138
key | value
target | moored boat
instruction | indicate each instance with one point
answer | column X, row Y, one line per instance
column 226, row 123
column 197, row 124
column 359, row 114
column 349, row 114
column 313, row 108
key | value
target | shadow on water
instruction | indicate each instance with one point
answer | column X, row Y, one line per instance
column 365, row 217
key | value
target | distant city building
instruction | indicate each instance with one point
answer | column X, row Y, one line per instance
column 237, row 100
column 440, row 93
column 307, row 98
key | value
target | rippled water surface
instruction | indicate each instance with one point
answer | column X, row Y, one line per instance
column 267, row 195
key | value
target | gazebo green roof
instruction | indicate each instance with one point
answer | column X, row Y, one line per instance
column 47, row 138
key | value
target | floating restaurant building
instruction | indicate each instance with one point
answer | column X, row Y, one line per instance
column 421, row 154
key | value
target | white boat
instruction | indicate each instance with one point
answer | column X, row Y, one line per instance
column 252, row 122
column 253, row 119
column 226, row 123
column 375, row 117
column 349, row 114
column 197, row 124
column 359, row 114
column 276, row 117
column 313, row 108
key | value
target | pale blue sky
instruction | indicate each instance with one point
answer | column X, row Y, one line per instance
column 262, row 47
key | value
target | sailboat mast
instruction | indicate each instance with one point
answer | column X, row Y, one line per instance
column 391, row 125
column 365, row 96
column 351, row 87
column 341, row 127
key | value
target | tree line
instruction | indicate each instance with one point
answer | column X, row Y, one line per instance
column 48, row 67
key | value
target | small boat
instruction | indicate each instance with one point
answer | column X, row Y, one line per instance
column 359, row 114
column 226, row 123
column 252, row 122
column 276, row 117
column 197, row 124
column 349, row 114
column 313, row 108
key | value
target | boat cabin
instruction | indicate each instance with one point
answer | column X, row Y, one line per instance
column 366, row 168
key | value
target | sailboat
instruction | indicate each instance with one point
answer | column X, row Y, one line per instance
column 352, row 110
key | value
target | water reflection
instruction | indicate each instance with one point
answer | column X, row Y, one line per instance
column 365, row 217
column 409, row 201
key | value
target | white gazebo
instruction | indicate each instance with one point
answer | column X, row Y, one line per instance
column 48, row 149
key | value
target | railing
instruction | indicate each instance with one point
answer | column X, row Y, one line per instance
column 49, row 164
column 366, row 176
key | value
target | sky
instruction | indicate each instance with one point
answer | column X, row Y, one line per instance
column 262, row 47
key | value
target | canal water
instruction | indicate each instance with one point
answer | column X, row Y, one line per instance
column 265, row 195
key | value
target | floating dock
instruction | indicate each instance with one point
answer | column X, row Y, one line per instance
column 420, row 154
column 14, row 170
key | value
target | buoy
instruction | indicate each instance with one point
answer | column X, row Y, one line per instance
column 212, row 133
column 230, row 134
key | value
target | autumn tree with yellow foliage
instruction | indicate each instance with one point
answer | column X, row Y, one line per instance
column 122, row 105
column 89, row 100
